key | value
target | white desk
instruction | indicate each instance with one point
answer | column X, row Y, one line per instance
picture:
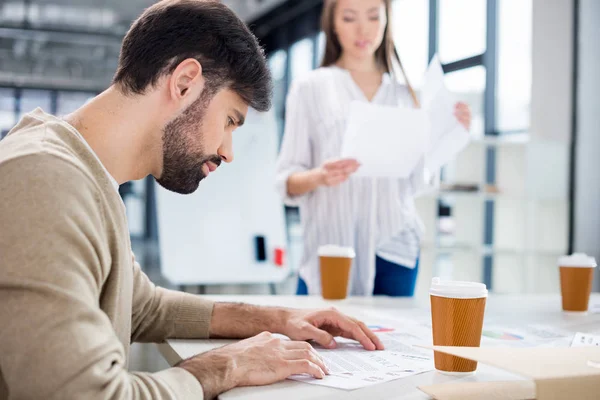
column 544, row 310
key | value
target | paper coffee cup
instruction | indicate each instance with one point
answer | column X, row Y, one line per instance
column 576, row 276
column 457, row 310
column 335, row 264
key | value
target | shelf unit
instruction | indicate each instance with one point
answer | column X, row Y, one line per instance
column 530, row 215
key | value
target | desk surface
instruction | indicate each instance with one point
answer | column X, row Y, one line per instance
column 522, row 310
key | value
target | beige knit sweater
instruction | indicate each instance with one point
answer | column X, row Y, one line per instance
column 72, row 297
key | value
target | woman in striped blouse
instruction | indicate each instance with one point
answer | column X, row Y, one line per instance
column 376, row 216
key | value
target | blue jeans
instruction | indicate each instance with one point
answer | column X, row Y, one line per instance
column 390, row 279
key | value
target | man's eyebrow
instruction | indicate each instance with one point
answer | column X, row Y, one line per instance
column 240, row 117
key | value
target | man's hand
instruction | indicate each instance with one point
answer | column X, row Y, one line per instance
column 239, row 321
column 261, row 360
column 323, row 325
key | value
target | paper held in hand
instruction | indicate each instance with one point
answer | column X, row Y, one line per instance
column 391, row 141
column 447, row 136
column 387, row 141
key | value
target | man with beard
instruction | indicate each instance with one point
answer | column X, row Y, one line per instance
column 72, row 297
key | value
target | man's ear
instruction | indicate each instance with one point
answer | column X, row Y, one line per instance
column 184, row 78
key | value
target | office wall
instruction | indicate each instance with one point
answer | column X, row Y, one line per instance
column 587, row 150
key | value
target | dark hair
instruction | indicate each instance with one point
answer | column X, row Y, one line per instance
column 385, row 55
column 172, row 31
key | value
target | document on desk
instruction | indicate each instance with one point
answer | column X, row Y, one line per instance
column 447, row 136
column 585, row 340
column 387, row 141
column 352, row 367
column 533, row 335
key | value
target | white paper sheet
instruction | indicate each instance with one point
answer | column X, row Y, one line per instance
column 352, row 367
column 585, row 340
column 387, row 141
column 447, row 136
column 533, row 335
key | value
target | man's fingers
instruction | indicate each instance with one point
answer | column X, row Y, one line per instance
column 298, row 367
column 309, row 355
column 325, row 339
column 305, row 346
column 352, row 330
column 371, row 335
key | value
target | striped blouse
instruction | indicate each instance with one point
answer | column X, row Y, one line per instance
column 376, row 216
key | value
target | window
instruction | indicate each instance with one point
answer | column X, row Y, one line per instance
column 7, row 110
column 278, row 65
column 462, row 29
column 411, row 36
column 32, row 99
column 320, row 47
column 301, row 54
column 70, row 101
column 514, row 65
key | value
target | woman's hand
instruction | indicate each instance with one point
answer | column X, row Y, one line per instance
column 336, row 172
column 462, row 111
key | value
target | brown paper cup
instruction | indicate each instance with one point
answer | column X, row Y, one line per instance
column 457, row 320
column 576, row 276
column 335, row 272
column 575, row 287
column 335, row 265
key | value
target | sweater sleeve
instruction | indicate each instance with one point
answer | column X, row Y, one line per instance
column 160, row 314
column 55, row 341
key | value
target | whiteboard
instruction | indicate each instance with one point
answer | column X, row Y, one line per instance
column 207, row 238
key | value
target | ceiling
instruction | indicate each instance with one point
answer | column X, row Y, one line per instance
column 75, row 43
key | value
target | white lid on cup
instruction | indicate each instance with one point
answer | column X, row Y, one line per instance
column 577, row 260
column 457, row 289
column 332, row 250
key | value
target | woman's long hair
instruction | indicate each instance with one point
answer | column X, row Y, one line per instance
column 385, row 55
